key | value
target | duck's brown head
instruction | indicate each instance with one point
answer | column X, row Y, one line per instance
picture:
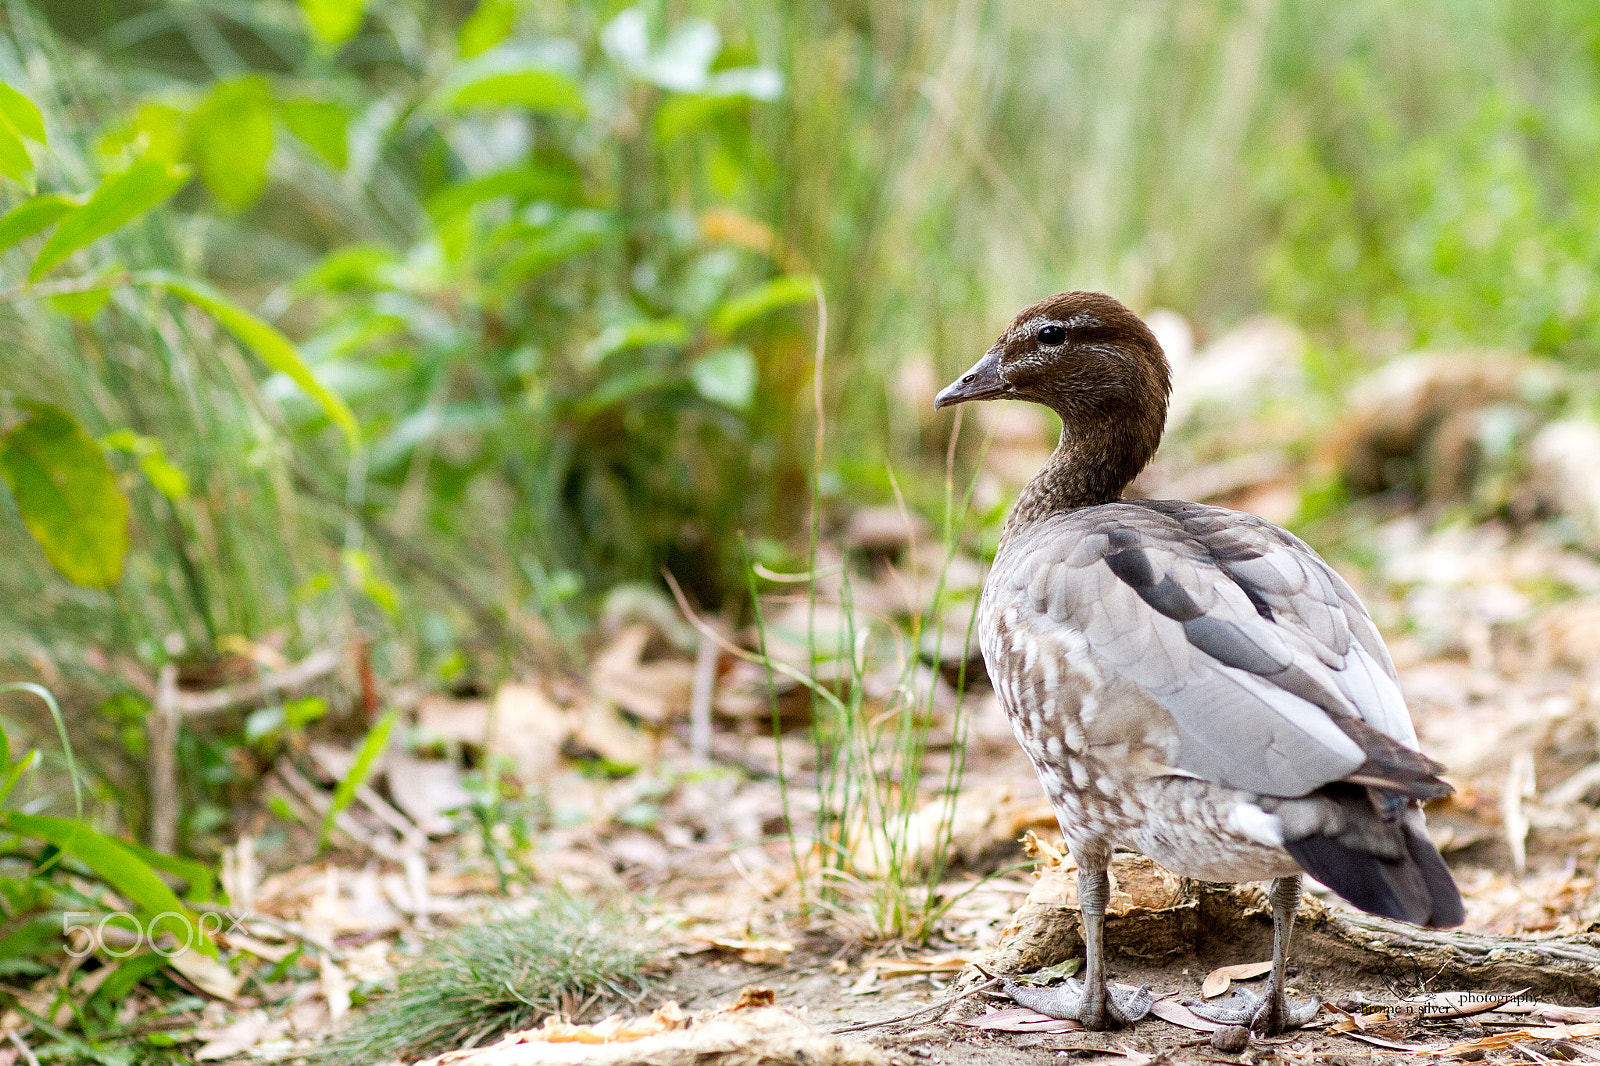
column 1092, row 361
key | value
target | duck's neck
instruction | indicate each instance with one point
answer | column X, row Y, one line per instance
column 1085, row 470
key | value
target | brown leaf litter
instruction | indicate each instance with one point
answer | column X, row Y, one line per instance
column 754, row 1031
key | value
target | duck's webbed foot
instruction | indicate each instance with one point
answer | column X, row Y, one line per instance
column 1267, row 1015
column 1113, row 1007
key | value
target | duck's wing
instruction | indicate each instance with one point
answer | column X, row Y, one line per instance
column 1273, row 675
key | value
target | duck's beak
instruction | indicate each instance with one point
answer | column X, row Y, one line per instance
column 982, row 382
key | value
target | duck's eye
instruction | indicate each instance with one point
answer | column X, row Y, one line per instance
column 1052, row 335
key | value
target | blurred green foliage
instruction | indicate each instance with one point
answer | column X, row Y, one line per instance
column 440, row 320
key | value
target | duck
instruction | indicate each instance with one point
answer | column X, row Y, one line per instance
column 1190, row 682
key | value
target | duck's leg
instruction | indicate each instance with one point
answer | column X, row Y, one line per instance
column 1091, row 1002
column 1272, row 1013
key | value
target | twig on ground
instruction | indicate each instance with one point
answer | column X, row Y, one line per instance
column 930, row 1008
column 283, row 927
column 27, row 1052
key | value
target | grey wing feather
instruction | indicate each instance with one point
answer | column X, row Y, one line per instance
column 1259, row 652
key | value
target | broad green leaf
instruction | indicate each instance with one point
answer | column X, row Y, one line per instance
column 201, row 880
column 324, row 127
column 231, row 138
column 15, row 162
column 5, row 749
column 625, row 386
column 574, row 234
column 112, row 860
column 376, row 740
column 32, row 215
column 21, row 113
column 120, row 199
column 509, row 78
column 769, row 296
column 67, row 495
column 490, row 24
column 557, row 181
column 333, row 22
column 157, row 132
column 83, row 304
column 726, row 376
column 641, row 334
column 271, row 346
column 151, row 455
column 351, row 268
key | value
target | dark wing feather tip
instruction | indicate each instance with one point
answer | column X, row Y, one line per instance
column 1417, row 888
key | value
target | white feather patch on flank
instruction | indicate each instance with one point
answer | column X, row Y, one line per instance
column 1251, row 821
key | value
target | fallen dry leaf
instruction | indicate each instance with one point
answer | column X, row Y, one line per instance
column 1444, row 1005
column 1170, row 1010
column 238, row 1036
column 1218, row 980
column 335, row 987
column 602, row 729
column 755, row 952
column 1022, row 1020
column 888, row 967
column 1551, row 1012
column 738, row 1036
column 209, row 975
column 529, row 727
column 654, row 691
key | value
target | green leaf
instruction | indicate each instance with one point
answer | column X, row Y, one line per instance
column 83, row 304
column 33, row 215
column 727, row 376
column 785, row 291
column 323, row 127
column 510, row 78
column 201, row 880
column 558, row 182
column 575, row 233
column 157, row 132
column 151, row 455
column 67, row 495
column 49, row 700
column 1051, row 974
column 490, row 24
column 14, row 772
column 625, row 386
column 376, row 740
column 272, row 347
column 128, row 973
column 113, row 861
column 15, row 162
column 333, row 22
column 120, row 199
column 644, row 333
column 359, row 566
column 230, row 136
column 21, row 113
column 5, row 753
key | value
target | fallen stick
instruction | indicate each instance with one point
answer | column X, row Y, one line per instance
column 949, row 1001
